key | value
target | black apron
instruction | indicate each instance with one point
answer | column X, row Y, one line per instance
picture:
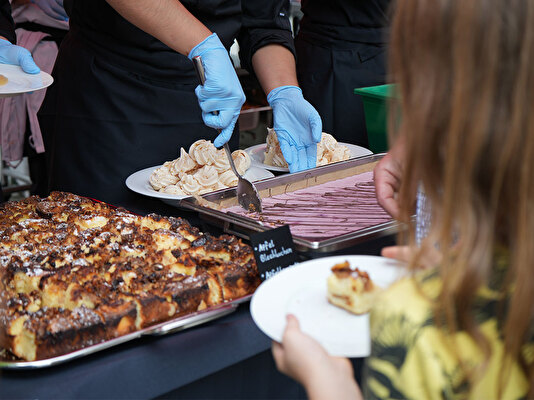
column 122, row 101
column 341, row 46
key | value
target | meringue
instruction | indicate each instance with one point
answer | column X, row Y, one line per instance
column 221, row 162
column 241, row 160
column 203, row 152
column 162, row 177
column 207, row 176
column 190, row 185
column 174, row 189
column 183, row 164
column 228, row 178
column 328, row 150
column 201, row 170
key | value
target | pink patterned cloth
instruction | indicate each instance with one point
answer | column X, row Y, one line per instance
column 16, row 111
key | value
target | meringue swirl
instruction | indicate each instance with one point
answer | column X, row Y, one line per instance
column 190, row 185
column 174, row 189
column 202, row 170
column 221, row 161
column 241, row 160
column 162, row 177
column 207, row 176
column 183, row 164
column 203, row 152
column 328, row 150
column 228, row 178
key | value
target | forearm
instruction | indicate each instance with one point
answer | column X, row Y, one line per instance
column 159, row 18
column 271, row 74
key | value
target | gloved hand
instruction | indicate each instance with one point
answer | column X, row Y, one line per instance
column 52, row 8
column 298, row 127
column 16, row 55
column 221, row 92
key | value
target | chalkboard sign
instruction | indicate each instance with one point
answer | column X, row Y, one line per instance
column 274, row 250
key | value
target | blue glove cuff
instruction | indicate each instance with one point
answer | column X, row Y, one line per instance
column 273, row 94
column 210, row 43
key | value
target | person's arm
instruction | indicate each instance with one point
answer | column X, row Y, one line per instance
column 167, row 20
column 267, row 50
column 305, row 360
column 274, row 66
column 297, row 124
column 221, row 96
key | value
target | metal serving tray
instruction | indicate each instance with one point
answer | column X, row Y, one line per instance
column 209, row 205
column 164, row 328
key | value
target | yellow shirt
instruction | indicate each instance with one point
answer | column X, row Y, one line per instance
column 411, row 358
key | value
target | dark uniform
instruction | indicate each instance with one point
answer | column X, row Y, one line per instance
column 7, row 28
column 124, row 101
column 341, row 46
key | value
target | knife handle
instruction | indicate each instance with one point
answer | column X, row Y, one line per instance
column 199, row 68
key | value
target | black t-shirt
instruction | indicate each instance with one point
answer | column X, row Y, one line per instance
column 364, row 21
column 253, row 22
column 7, row 28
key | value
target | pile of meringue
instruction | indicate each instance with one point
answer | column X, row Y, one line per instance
column 328, row 150
column 202, row 170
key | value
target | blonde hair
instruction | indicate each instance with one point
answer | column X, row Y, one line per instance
column 465, row 75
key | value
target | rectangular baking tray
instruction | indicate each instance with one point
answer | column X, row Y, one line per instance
column 164, row 328
column 208, row 205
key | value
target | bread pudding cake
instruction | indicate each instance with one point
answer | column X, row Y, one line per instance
column 351, row 289
column 75, row 273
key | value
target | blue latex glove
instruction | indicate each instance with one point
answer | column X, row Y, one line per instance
column 16, row 55
column 52, row 8
column 298, row 127
column 221, row 92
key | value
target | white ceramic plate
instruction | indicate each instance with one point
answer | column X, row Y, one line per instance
column 301, row 290
column 139, row 183
column 19, row 81
column 257, row 155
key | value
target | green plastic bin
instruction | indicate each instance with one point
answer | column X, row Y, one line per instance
column 375, row 100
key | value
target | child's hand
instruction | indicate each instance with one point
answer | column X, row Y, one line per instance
column 302, row 358
column 429, row 258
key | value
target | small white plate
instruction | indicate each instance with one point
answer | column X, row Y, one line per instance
column 257, row 155
column 301, row 290
column 19, row 81
column 139, row 182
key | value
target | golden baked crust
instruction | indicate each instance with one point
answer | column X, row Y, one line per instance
column 351, row 289
column 74, row 272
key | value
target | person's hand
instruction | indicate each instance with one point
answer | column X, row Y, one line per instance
column 297, row 125
column 52, row 8
column 221, row 92
column 387, row 176
column 16, row 55
column 305, row 360
column 428, row 255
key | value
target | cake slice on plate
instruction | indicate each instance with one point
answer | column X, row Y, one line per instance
column 351, row 289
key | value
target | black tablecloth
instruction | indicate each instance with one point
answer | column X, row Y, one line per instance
column 225, row 358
